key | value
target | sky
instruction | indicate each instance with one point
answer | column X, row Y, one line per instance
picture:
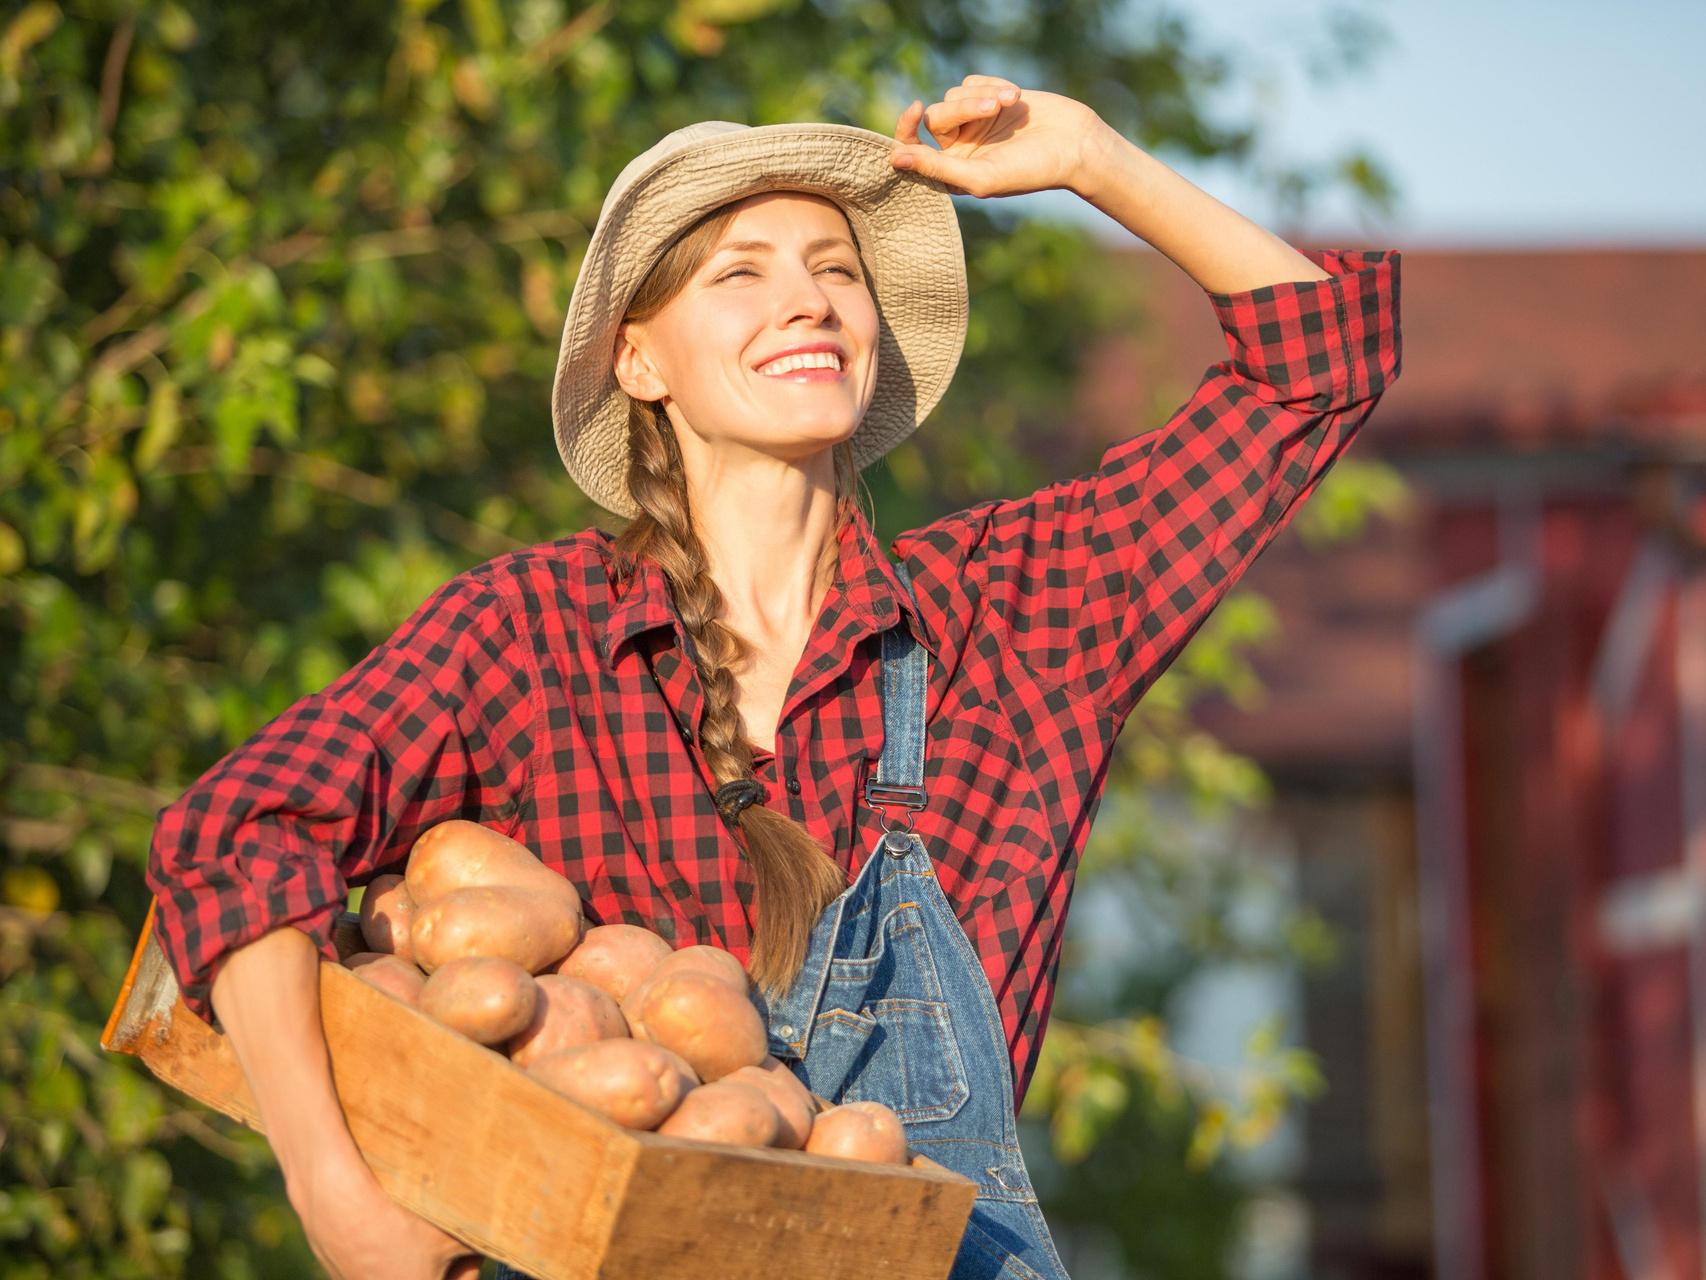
column 1503, row 122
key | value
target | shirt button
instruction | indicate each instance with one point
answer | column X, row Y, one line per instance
column 794, row 785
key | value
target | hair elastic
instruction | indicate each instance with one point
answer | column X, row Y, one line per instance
column 734, row 796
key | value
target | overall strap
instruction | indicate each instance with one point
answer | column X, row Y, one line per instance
column 899, row 779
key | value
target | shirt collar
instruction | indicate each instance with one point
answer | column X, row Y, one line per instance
column 866, row 584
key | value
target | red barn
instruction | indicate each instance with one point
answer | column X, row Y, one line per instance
column 1487, row 723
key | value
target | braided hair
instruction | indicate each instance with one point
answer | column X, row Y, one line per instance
column 794, row 876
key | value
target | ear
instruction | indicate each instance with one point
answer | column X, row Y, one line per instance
column 633, row 368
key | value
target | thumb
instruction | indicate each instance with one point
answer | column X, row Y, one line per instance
column 934, row 164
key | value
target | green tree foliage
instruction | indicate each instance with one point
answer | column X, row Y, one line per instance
column 281, row 288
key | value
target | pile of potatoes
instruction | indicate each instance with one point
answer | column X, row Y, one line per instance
column 481, row 936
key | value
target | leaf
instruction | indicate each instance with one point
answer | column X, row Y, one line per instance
column 160, row 431
column 130, row 1107
column 142, row 1190
column 1208, row 1138
column 1262, row 1042
column 29, row 283
column 237, row 421
column 13, row 555
column 91, row 861
column 29, row 888
column 730, row 12
column 485, row 21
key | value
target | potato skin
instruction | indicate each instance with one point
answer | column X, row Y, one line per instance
column 570, row 1013
column 697, row 959
column 510, row 921
column 391, row 974
column 859, row 1131
column 705, row 1020
column 615, row 958
column 458, row 854
column 387, row 915
column 706, row 959
column 486, row 998
column 795, row 1108
column 631, row 1082
column 739, row 1115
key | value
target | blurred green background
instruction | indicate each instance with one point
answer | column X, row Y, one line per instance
column 281, row 288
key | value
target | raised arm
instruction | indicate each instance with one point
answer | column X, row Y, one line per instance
column 1097, row 582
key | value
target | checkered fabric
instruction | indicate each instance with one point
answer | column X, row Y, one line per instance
column 528, row 694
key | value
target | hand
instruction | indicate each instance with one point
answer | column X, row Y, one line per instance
column 358, row 1232
column 997, row 140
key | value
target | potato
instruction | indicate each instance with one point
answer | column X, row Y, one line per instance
column 387, row 915
column 705, row 959
column 629, row 1081
column 792, row 1100
column 510, row 921
column 391, row 974
column 737, row 1114
column 615, row 958
column 699, row 959
column 570, row 1013
column 486, row 998
column 859, row 1131
column 704, row 1019
column 458, row 854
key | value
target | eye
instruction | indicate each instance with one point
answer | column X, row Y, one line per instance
column 745, row 271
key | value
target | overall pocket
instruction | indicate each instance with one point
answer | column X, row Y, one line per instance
column 883, row 1032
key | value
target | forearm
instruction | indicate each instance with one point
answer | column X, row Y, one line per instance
column 1218, row 247
column 267, row 996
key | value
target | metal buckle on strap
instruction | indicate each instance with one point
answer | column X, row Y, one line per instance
column 878, row 794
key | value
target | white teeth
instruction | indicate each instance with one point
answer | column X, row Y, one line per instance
column 811, row 360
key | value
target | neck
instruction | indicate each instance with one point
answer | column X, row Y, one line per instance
column 765, row 541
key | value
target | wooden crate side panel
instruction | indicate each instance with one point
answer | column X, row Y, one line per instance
column 830, row 1219
column 549, row 1174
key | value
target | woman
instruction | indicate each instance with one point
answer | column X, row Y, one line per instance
column 905, row 758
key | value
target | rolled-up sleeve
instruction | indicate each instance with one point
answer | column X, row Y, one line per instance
column 1097, row 582
column 437, row 722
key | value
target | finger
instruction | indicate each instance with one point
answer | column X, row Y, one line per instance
column 984, row 93
column 989, row 82
column 906, row 127
column 1001, row 97
column 947, row 117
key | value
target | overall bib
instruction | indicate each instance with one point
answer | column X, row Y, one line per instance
column 892, row 1006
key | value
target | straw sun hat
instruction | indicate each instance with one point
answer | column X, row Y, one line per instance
column 903, row 223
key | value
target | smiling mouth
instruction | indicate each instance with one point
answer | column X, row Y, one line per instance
column 806, row 375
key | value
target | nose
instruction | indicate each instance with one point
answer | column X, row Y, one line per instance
column 804, row 295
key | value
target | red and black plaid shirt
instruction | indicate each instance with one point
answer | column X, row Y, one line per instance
column 530, row 695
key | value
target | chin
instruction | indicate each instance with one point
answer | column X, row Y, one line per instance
column 805, row 438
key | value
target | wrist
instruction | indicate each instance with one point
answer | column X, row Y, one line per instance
column 1104, row 155
column 328, row 1175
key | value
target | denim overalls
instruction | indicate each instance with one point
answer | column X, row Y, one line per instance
column 892, row 1006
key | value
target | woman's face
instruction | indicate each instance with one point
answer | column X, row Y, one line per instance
column 785, row 274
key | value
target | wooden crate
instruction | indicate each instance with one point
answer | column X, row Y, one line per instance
column 469, row 1141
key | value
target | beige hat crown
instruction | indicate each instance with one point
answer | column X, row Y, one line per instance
column 904, row 224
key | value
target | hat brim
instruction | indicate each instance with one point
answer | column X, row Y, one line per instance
column 908, row 236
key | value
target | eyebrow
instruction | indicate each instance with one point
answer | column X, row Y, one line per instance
column 764, row 246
